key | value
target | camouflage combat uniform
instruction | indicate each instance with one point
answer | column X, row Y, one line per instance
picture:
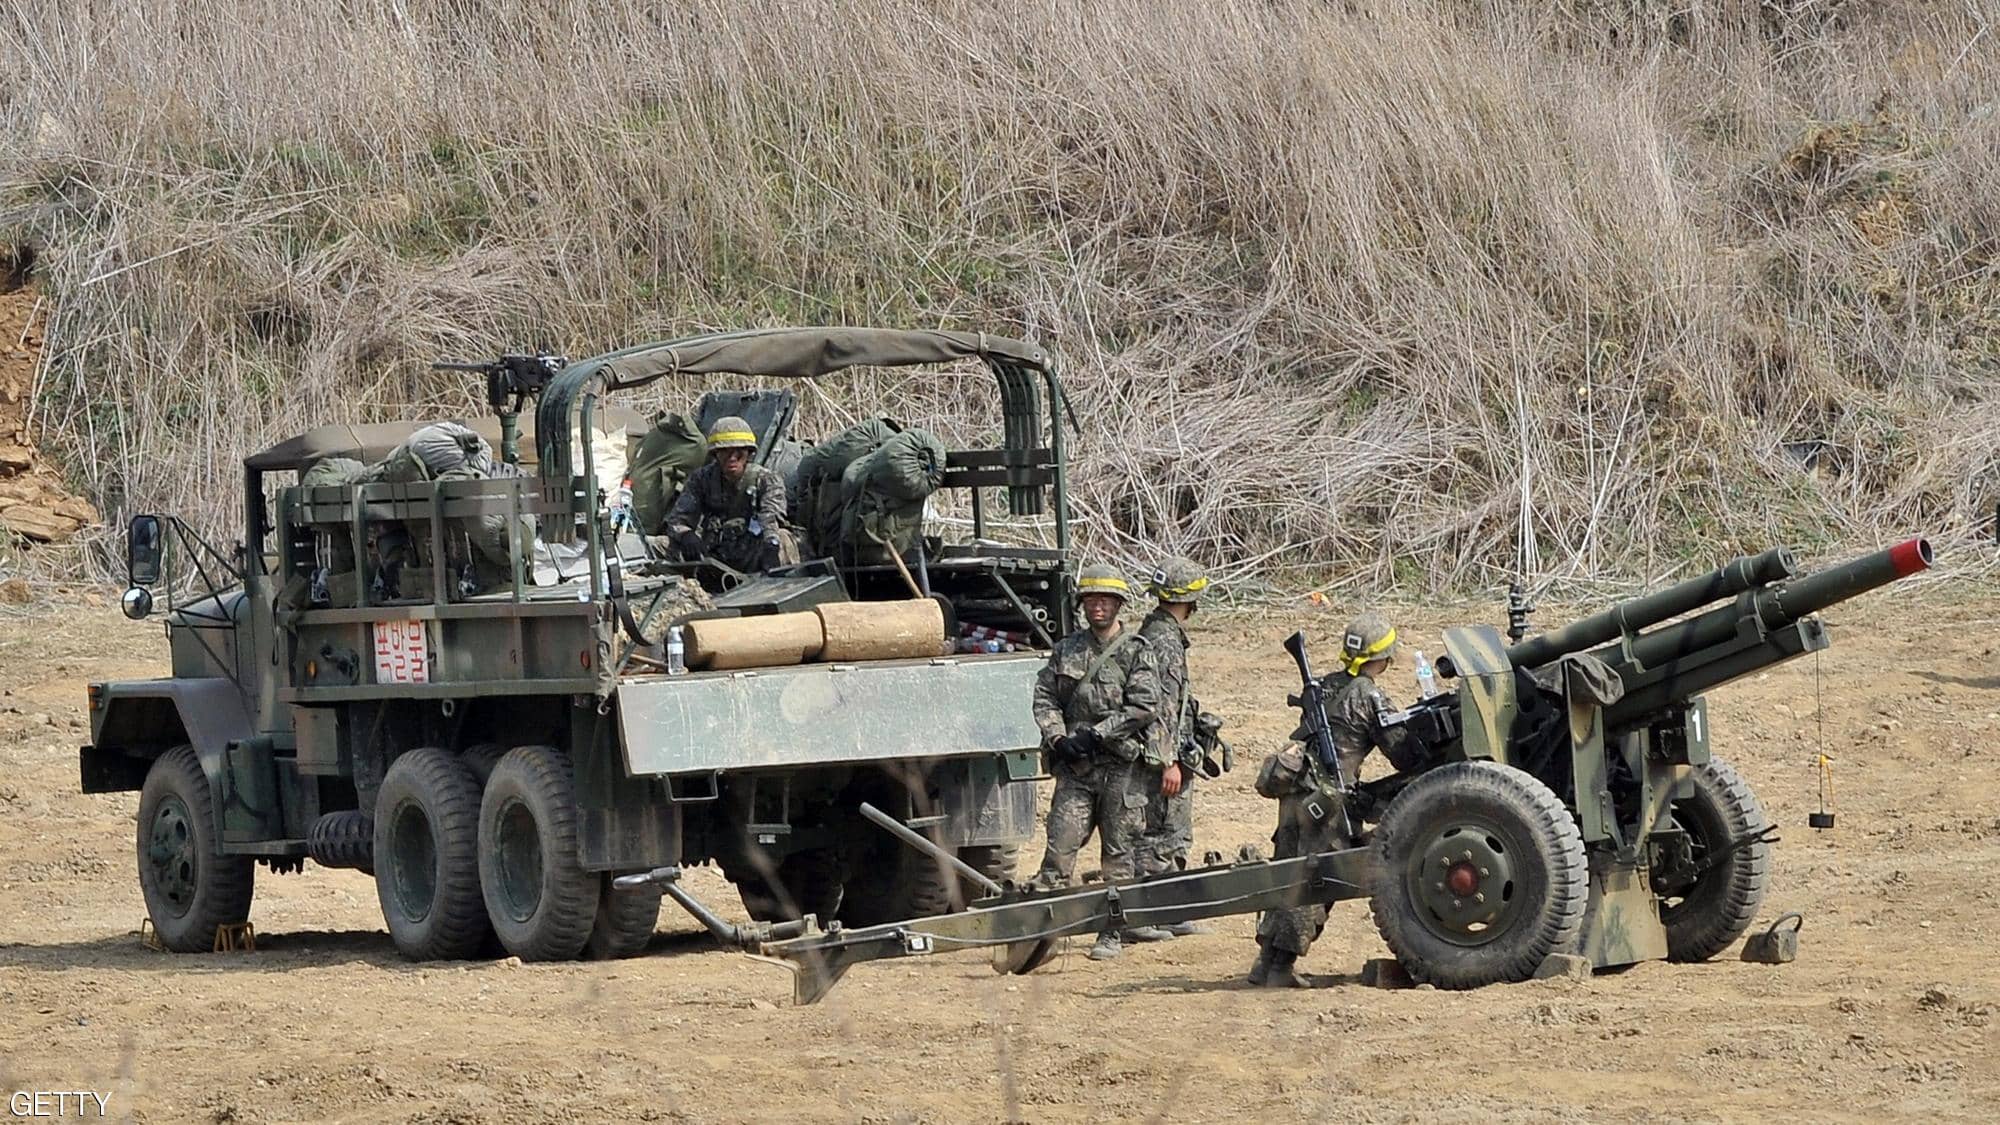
column 741, row 525
column 1353, row 704
column 1115, row 696
column 1169, row 820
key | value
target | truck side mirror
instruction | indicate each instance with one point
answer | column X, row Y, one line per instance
column 144, row 546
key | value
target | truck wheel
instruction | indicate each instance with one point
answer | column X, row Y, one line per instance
column 997, row 862
column 912, row 885
column 482, row 757
column 427, row 857
column 811, row 885
column 190, row 890
column 1708, row 917
column 625, row 921
column 543, row 904
column 1483, row 876
column 343, row 839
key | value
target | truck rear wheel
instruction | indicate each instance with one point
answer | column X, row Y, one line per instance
column 909, row 884
column 625, row 921
column 427, row 857
column 808, row 883
column 1483, row 875
column 190, row 889
column 1709, row 916
column 542, row 903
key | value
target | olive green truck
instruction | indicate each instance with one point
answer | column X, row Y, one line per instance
column 495, row 755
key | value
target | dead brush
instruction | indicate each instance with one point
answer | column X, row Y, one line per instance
column 1423, row 296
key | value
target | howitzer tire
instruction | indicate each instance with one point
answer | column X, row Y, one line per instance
column 625, row 921
column 1708, row 917
column 542, row 903
column 190, row 889
column 1483, row 875
column 427, row 857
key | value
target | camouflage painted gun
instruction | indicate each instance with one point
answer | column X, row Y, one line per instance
column 1569, row 804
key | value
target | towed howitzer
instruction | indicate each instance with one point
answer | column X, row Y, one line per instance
column 1568, row 803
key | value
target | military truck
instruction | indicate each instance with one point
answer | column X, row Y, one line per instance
column 496, row 754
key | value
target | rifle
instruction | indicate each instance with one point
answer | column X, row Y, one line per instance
column 1311, row 702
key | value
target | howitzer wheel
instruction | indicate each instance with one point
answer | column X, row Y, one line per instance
column 1483, row 876
column 189, row 888
column 1706, row 918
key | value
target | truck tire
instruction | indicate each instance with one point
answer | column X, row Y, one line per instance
column 809, row 883
column 997, row 862
column 427, row 857
column 625, row 921
column 1483, row 875
column 482, row 757
column 190, row 889
column 913, row 885
column 343, row 839
column 541, row 901
column 1709, row 916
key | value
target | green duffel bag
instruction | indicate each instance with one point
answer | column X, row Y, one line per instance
column 670, row 453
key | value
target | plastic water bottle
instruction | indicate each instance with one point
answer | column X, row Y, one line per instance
column 676, row 652
column 1427, row 681
column 621, row 506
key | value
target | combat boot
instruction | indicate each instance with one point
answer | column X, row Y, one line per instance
column 1281, row 971
column 1139, row 935
column 1107, row 947
column 1186, row 929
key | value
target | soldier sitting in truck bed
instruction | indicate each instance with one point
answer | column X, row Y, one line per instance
column 731, row 511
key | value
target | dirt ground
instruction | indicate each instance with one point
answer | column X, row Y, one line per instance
column 1888, row 1015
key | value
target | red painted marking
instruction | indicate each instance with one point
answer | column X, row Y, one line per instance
column 1910, row 557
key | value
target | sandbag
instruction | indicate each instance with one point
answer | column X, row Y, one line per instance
column 670, row 453
column 753, row 642
column 881, row 630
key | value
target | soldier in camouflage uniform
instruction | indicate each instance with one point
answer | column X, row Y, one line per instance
column 730, row 510
column 1094, row 701
column 1176, row 585
column 1354, row 706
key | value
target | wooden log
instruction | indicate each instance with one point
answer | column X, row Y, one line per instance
column 881, row 630
column 753, row 642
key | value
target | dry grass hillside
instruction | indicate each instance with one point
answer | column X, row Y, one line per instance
column 1416, row 294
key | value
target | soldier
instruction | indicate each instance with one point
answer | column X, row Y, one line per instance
column 730, row 510
column 1094, row 701
column 1354, row 706
column 1170, row 813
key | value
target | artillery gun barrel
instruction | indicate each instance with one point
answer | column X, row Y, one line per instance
column 1689, row 657
column 1728, row 580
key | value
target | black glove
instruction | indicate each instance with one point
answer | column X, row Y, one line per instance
column 1084, row 742
column 689, row 545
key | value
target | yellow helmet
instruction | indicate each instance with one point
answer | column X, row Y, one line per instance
column 1178, row 580
column 1101, row 579
column 731, row 432
column 1369, row 638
